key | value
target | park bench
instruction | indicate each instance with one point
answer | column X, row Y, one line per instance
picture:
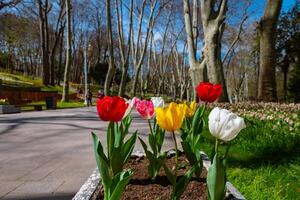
column 37, row 107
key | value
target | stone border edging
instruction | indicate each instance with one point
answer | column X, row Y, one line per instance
column 88, row 189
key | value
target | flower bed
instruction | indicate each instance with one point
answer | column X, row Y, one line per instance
column 143, row 188
column 183, row 175
column 281, row 115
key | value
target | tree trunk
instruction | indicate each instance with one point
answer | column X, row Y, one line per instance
column 285, row 73
column 122, row 47
column 123, row 81
column 60, row 58
column 213, row 25
column 111, row 68
column 65, row 95
column 44, row 39
column 267, row 28
column 196, row 67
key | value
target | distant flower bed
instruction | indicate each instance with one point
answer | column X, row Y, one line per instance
column 281, row 115
column 4, row 102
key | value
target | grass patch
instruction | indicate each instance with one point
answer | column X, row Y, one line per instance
column 19, row 80
column 263, row 163
column 71, row 104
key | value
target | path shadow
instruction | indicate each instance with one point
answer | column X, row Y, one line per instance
column 54, row 197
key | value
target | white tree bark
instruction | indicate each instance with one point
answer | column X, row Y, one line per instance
column 196, row 67
column 65, row 94
column 111, row 68
column 124, row 48
column 213, row 26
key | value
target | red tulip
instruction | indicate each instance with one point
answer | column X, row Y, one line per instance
column 208, row 92
column 111, row 108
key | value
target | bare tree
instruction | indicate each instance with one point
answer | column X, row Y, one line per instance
column 267, row 30
column 111, row 68
column 196, row 67
column 65, row 95
column 11, row 3
column 139, row 46
column 59, row 29
column 213, row 15
column 44, row 8
column 124, row 48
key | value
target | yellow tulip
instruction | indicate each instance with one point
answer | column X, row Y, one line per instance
column 190, row 109
column 171, row 117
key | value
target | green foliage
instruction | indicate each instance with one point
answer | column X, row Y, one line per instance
column 191, row 143
column 156, row 157
column 178, row 186
column 288, row 50
column 182, row 183
column 216, row 179
column 118, row 151
column 263, row 163
column 113, row 184
column 294, row 84
column 98, row 73
column 4, row 59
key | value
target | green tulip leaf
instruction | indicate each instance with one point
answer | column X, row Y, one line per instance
column 101, row 161
column 216, row 179
column 128, row 147
column 182, row 184
column 119, row 183
column 169, row 174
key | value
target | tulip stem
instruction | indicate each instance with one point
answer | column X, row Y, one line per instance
column 203, row 109
column 216, row 146
column 149, row 123
column 176, row 153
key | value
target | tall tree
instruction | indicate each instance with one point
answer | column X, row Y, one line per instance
column 267, row 30
column 139, row 46
column 65, row 95
column 59, row 29
column 213, row 14
column 287, row 47
column 111, row 68
column 124, row 48
column 213, row 17
column 44, row 8
column 196, row 67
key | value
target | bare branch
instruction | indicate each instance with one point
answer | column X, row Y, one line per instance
column 236, row 39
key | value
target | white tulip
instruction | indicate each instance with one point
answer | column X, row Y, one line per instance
column 224, row 124
column 158, row 102
column 129, row 108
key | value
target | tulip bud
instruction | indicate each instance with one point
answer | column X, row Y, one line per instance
column 158, row 102
column 224, row 125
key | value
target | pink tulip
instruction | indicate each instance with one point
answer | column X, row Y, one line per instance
column 144, row 108
column 135, row 100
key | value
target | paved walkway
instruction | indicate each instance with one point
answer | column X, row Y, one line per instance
column 48, row 154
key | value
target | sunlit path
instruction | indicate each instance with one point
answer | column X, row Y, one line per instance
column 48, row 154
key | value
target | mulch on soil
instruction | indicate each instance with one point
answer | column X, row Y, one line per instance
column 143, row 188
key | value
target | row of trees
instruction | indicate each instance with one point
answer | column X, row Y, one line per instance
column 159, row 46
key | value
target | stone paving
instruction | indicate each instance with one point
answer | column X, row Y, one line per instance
column 48, row 154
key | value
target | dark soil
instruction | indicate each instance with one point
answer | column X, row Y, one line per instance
column 142, row 188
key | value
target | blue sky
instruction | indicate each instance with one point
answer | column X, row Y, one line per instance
column 258, row 7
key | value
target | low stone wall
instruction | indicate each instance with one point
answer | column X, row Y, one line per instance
column 8, row 109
